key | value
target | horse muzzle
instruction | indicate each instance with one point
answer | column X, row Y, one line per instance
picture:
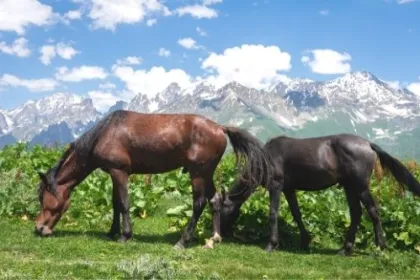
column 43, row 230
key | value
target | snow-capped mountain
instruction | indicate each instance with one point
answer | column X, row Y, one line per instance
column 356, row 102
column 34, row 117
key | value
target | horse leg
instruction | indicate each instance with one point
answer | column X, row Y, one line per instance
column 274, row 190
column 115, row 227
column 215, row 201
column 355, row 209
column 373, row 211
column 290, row 195
column 120, row 180
column 199, row 202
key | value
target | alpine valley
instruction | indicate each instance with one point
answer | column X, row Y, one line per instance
column 357, row 102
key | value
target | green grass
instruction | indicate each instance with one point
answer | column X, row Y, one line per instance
column 77, row 252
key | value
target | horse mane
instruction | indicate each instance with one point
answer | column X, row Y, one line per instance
column 83, row 146
column 52, row 172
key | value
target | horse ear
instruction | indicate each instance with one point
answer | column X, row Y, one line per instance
column 43, row 178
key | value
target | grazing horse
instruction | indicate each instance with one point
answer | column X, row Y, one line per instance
column 126, row 142
column 313, row 164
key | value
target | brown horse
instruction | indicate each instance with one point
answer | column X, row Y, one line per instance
column 313, row 164
column 125, row 143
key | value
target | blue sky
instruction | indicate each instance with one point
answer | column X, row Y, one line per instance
column 111, row 50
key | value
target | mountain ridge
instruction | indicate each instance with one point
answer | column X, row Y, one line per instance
column 359, row 102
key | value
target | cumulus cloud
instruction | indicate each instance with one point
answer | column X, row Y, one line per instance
column 130, row 60
column 107, row 14
column 107, row 86
column 188, row 43
column 71, row 15
column 164, row 52
column 81, row 73
column 151, row 22
column 197, row 11
column 394, row 84
column 17, row 15
column 63, row 50
column 33, row 85
column 414, row 87
column 211, row 2
column 326, row 61
column 254, row 66
column 153, row 81
column 18, row 48
column 200, row 31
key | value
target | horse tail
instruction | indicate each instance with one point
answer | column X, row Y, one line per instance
column 257, row 170
column 378, row 169
column 398, row 170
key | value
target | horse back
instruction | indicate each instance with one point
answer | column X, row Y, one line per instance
column 160, row 142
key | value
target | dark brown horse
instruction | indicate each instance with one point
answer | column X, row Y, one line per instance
column 125, row 143
column 314, row 164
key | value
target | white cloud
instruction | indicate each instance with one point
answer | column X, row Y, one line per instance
column 66, row 51
column 78, row 74
column 17, row 15
column 130, row 60
column 394, row 84
column 200, row 31
column 18, row 48
column 324, row 12
column 153, row 81
column 151, row 22
column 414, row 87
column 102, row 101
column 197, row 11
column 71, row 15
column 251, row 65
column 107, row 14
column 63, row 50
column 164, row 52
column 34, row 85
column 211, row 2
column 107, row 86
column 47, row 54
column 326, row 61
column 188, row 43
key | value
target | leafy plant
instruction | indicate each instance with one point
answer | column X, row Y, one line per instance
column 325, row 213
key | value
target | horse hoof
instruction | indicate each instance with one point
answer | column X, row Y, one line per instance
column 344, row 252
column 382, row 246
column 270, row 247
column 179, row 246
column 111, row 235
column 123, row 239
column 304, row 248
column 46, row 231
column 209, row 244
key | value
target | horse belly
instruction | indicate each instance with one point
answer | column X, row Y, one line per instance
column 158, row 161
column 304, row 178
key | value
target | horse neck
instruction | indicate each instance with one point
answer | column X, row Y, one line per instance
column 74, row 169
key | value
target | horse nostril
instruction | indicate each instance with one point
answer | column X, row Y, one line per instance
column 38, row 228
